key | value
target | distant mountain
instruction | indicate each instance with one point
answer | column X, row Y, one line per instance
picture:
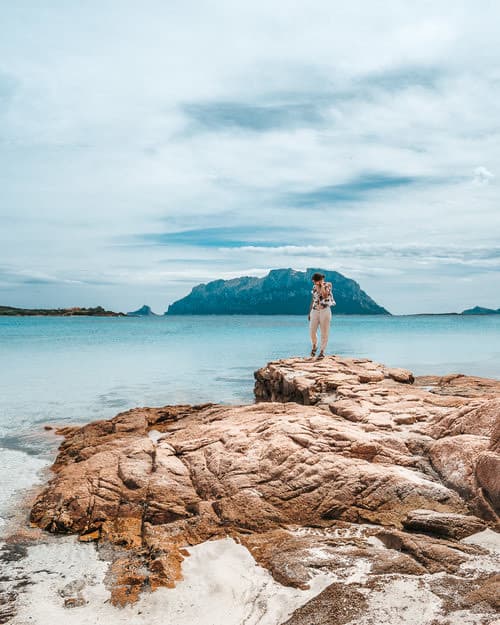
column 281, row 292
column 479, row 310
column 97, row 311
column 144, row 311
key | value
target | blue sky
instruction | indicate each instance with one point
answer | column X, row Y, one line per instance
column 147, row 147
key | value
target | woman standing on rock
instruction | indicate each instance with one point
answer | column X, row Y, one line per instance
column 320, row 313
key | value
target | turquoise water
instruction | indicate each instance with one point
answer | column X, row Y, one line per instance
column 72, row 370
column 76, row 369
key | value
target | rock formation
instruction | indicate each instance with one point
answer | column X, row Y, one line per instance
column 343, row 466
column 143, row 311
column 281, row 292
column 480, row 310
column 442, row 423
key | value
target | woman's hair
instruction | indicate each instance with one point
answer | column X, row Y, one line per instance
column 317, row 277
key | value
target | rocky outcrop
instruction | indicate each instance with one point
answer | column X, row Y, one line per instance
column 480, row 310
column 443, row 523
column 281, row 292
column 344, row 472
column 442, row 425
column 143, row 311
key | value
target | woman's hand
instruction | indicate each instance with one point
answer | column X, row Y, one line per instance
column 324, row 287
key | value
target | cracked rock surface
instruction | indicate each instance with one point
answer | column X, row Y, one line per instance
column 344, row 466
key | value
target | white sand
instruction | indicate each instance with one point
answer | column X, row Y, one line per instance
column 488, row 539
column 402, row 601
column 223, row 586
column 407, row 600
column 487, row 563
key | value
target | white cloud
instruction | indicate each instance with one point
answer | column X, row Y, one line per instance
column 482, row 176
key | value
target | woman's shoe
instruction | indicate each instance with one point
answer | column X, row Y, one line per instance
column 313, row 351
column 321, row 355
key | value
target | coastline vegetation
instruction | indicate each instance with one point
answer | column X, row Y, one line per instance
column 97, row 311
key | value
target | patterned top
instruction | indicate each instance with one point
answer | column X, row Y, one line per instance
column 322, row 302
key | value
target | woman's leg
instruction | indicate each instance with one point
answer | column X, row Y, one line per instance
column 324, row 320
column 313, row 327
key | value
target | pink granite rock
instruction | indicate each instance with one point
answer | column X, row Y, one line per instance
column 347, row 456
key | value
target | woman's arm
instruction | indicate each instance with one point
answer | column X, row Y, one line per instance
column 325, row 289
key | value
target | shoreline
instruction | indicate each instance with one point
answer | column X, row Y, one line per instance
column 203, row 315
column 317, row 390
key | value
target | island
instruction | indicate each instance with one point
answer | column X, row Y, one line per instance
column 143, row 311
column 97, row 311
column 280, row 292
column 479, row 310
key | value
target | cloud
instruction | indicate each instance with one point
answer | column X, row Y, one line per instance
column 8, row 88
column 354, row 190
column 403, row 78
column 234, row 236
column 417, row 251
column 9, row 278
column 236, row 115
column 305, row 107
column 482, row 176
column 246, row 138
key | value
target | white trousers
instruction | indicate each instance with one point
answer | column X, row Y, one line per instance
column 322, row 319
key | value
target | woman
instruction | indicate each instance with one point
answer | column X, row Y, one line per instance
column 320, row 313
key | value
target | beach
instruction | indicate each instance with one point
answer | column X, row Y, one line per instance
column 61, row 372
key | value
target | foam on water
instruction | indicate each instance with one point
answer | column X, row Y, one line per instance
column 19, row 471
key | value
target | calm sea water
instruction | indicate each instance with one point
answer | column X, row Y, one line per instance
column 73, row 370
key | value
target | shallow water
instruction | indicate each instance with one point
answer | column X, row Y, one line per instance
column 73, row 370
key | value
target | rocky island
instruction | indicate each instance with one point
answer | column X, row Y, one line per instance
column 143, row 311
column 281, row 292
column 480, row 310
column 384, row 483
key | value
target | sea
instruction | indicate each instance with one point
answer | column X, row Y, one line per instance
column 71, row 370
column 57, row 371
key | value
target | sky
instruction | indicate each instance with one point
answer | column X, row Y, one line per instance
column 146, row 147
